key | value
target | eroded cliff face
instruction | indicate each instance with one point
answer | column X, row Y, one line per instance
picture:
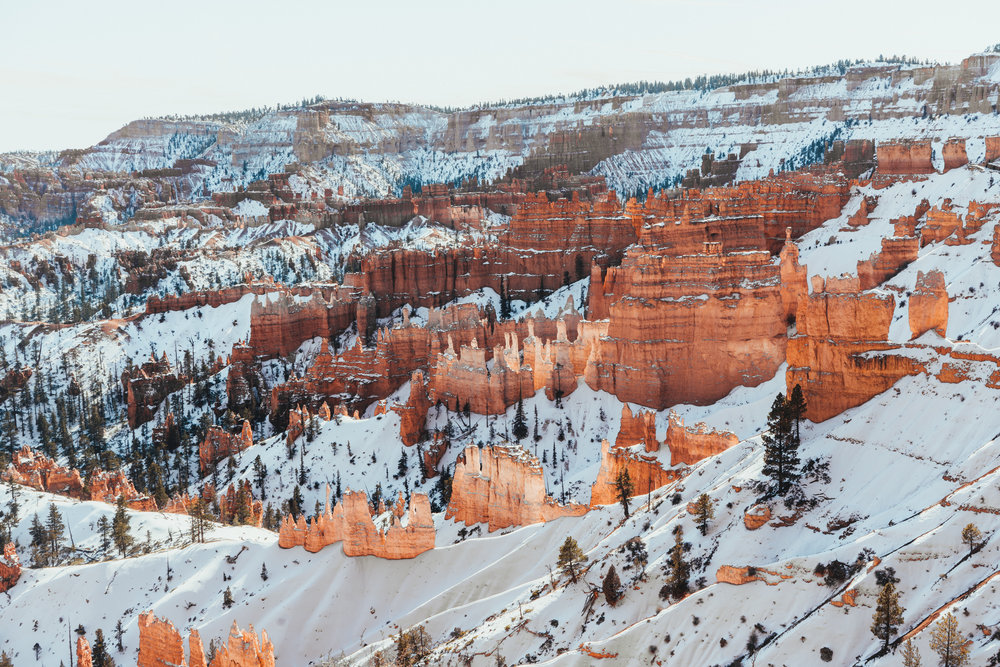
column 689, row 445
column 637, row 429
column 147, row 385
column 929, row 305
column 220, row 444
column 502, row 487
column 697, row 306
column 400, row 534
column 161, row 645
column 10, row 567
column 645, row 472
column 35, row 470
column 413, row 414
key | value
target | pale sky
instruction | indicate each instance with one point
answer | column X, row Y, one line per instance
column 73, row 71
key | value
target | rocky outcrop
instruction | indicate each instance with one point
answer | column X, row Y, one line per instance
column 638, row 429
column 246, row 389
column 690, row 445
column 398, row 535
column 13, row 382
column 161, row 645
column 929, row 305
column 645, row 472
column 829, row 358
column 502, row 487
column 213, row 298
column 147, row 385
column 220, row 444
column 237, row 505
column 38, row 471
column 756, row 517
column 84, row 657
column 10, row 567
column 904, row 158
column 413, row 414
column 279, row 325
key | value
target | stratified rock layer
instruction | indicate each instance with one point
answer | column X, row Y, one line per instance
column 502, row 487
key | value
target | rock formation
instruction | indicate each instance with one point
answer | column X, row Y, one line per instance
column 84, row 657
column 639, row 429
column 413, row 414
column 147, row 386
column 10, row 567
column 929, row 305
column 38, row 471
column 351, row 522
column 220, row 444
column 13, row 382
column 502, row 487
column 645, row 472
column 688, row 446
column 161, row 645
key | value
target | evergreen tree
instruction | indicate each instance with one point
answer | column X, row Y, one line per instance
column 781, row 458
column 260, row 475
column 971, row 536
column 519, row 429
column 796, row 412
column 402, row 467
column 104, row 528
column 678, row 568
column 704, row 512
column 121, row 528
column 612, row 587
column 99, row 652
column 119, row 633
column 624, row 488
column 263, row 571
column 911, row 654
column 54, row 532
column 888, row 615
column 570, row 557
column 947, row 641
column 5, row 660
column 40, row 555
column 227, row 598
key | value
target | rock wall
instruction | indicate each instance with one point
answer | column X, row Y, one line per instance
column 829, row 359
column 904, row 158
column 502, row 487
column 13, row 382
column 645, row 472
column 929, row 305
column 690, row 445
column 10, row 567
column 351, row 522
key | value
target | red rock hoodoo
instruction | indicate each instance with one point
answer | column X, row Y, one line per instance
column 351, row 522
column 161, row 645
column 639, row 429
column 645, row 472
column 929, row 305
column 219, row 444
column 10, row 567
column 502, row 487
column 688, row 446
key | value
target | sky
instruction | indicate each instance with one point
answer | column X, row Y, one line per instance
column 73, row 72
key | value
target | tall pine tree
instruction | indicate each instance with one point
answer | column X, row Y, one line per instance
column 781, row 445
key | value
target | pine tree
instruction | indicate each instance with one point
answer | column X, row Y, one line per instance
column 570, row 557
column 704, row 512
column 227, row 598
column 624, row 488
column 678, row 568
column 54, row 532
column 260, row 475
column 263, row 571
column 911, row 654
column 104, row 528
column 99, row 652
column 519, row 429
column 947, row 641
column 888, row 615
column 612, row 587
column 781, row 459
column 119, row 633
column 971, row 536
column 796, row 413
column 40, row 555
column 121, row 529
